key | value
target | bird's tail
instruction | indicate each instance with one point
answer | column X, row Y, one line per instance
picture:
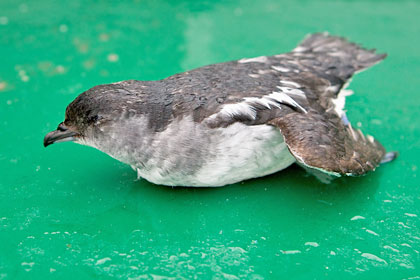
column 333, row 46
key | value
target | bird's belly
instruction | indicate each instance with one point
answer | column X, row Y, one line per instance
column 232, row 154
column 245, row 152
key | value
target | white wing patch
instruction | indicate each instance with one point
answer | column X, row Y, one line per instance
column 282, row 97
column 263, row 101
column 274, row 100
column 340, row 101
column 292, row 91
column 242, row 108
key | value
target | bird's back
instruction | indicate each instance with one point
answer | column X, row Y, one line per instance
column 318, row 68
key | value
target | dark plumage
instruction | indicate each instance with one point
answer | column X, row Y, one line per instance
column 300, row 93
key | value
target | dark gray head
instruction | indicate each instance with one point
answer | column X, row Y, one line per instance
column 86, row 114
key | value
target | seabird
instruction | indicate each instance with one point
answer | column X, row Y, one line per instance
column 227, row 122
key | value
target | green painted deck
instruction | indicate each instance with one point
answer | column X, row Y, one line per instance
column 72, row 212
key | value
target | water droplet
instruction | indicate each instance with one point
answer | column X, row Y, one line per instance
column 102, row 261
column 313, row 244
column 290, row 252
column 372, row 257
column 357, row 218
column 4, row 20
column 63, row 28
column 113, row 57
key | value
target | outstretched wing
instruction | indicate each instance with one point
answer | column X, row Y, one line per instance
column 324, row 142
column 323, row 138
column 307, row 106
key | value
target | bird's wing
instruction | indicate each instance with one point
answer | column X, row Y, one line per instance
column 324, row 138
column 324, row 142
column 315, row 128
column 307, row 104
column 313, row 74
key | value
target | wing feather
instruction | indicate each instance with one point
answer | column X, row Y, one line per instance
column 323, row 142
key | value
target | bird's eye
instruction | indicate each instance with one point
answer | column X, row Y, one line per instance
column 93, row 119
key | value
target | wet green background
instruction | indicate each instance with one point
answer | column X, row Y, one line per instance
column 71, row 212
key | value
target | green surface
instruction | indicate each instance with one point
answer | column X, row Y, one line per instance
column 71, row 212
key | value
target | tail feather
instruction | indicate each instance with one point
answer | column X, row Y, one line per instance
column 359, row 57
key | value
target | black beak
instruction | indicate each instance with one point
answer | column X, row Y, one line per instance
column 62, row 134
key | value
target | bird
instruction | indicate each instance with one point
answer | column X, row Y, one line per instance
column 228, row 122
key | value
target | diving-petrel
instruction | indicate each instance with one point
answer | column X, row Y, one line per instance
column 227, row 122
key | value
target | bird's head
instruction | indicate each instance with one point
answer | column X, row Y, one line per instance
column 87, row 114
